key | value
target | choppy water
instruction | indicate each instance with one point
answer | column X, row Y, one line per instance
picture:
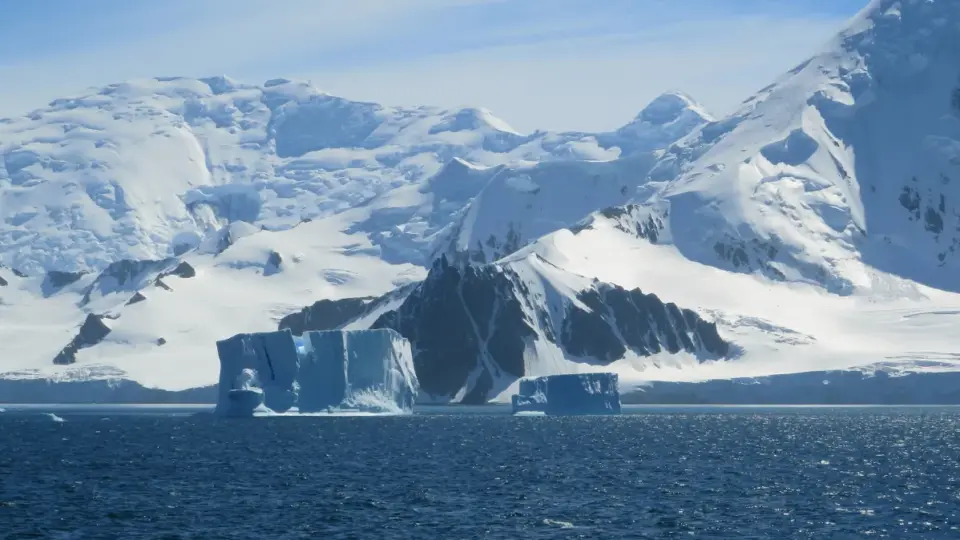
column 657, row 473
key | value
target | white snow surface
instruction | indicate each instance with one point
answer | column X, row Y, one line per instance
column 817, row 225
column 141, row 169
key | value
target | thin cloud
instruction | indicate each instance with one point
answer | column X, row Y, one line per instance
column 537, row 64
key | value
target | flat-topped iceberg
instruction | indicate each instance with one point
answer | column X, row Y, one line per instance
column 360, row 370
column 587, row 393
column 366, row 370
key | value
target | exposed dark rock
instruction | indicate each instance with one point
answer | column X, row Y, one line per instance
column 934, row 221
column 126, row 275
column 161, row 342
column 56, row 280
column 3, row 282
column 642, row 222
column 136, row 298
column 18, row 273
column 471, row 328
column 274, row 264
column 324, row 315
column 91, row 332
column 183, row 270
column 910, row 199
column 159, row 283
column 749, row 256
column 62, row 279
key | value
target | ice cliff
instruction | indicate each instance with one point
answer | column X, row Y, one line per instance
column 586, row 393
column 364, row 370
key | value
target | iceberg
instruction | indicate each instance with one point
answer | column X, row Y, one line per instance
column 248, row 398
column 588, row 393
column 367, row 370
column 271, row 356
column 360, row 370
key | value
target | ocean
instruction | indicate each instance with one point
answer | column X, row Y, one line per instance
column 479, row 472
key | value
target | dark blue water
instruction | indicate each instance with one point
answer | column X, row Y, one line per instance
column 657, row 473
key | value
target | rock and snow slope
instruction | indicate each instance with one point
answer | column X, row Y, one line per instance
column 844, row 171
column 288, row 197
column 816, row 226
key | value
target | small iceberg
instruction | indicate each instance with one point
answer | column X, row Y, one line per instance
column 55, row 418
column 579, row 394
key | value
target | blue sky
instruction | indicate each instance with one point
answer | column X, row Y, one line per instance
column 554, row 64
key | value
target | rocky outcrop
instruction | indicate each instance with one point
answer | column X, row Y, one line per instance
column 56, row 280
column 183, row 270
column 274, row 264
column 91, row 332
column 324, row 315
column 126, row 275
column 476, row 328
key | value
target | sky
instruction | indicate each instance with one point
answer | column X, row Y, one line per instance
column 538, row 64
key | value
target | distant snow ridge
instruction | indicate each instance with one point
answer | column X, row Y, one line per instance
column 151, row 168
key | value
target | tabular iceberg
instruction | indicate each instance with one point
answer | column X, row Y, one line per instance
column 363, row 370
column 588, row 393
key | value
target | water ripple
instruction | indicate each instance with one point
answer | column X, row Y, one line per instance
column 813, row 474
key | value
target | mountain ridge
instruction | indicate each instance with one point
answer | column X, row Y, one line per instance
column 147, row 168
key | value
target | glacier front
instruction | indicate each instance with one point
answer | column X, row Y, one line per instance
column 586, row 393
column 361, row 370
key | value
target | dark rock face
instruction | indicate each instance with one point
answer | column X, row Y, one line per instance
column 274, row 264
column 91, row 332
column 324, row 315
column 471, row 328
column 642, row 222
column 183, row 270
column 646, row 324
column 126, row 275
column 56, row 280
column 3, row 282
column 461, row 321
column 136, row 299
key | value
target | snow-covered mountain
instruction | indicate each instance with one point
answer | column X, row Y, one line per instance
column 147, row 169
column 842, row 172
column 812, row 230
column 145, row 221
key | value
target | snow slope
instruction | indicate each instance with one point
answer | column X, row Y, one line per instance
column 845, row 170
column 146, row 169
column 167, row 339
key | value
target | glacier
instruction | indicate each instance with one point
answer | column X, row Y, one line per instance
column 363, row 370
column 571, row 394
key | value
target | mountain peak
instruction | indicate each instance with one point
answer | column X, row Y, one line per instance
column 668, row 107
